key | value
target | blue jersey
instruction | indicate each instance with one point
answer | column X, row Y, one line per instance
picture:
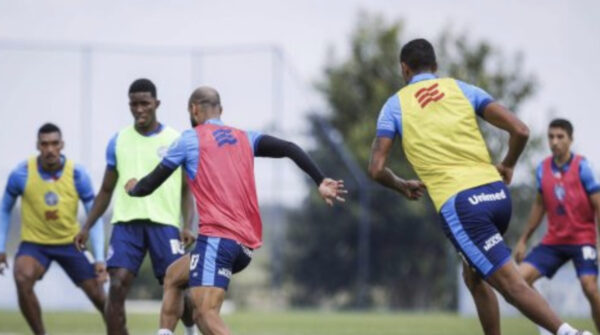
column 389, row 122
column 184, row 151
column 589, row 182
column 16, row 186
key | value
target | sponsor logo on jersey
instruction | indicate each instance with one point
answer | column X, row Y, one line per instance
column 559, row 192
column 492, row 241
column 485, row 197
column 427, row 95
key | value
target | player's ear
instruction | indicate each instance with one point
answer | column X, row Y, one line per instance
column 61, row 145
column 157, row 103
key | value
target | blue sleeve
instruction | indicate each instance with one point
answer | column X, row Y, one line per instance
column 253, row 138
column 96, row 234
column 83, row 184
column 111, row 153
column 14, row 188
column 389, row 122
column 587, row 177
column 538, row 177
column 478, row 98
column 184, row 151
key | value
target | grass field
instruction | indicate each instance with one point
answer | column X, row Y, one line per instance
column 287, row 323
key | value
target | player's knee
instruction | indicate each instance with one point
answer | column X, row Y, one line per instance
column 204, row 312
column 513, row 291
column 118, row 288
column 24, row 279
column 471, row 279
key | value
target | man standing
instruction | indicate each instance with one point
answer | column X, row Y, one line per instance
column 569, row 195
column 140, row 225
column 219, row 161
column 50, row 187
column 436, row 120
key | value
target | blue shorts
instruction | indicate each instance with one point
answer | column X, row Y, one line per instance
column 130, row 241
column 215, row 259
column 547, row 259
column 475, row 220
column 78, row 265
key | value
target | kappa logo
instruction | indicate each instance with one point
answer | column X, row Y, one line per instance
column 223, row 136
column 427, row 95
column 484, row 197
column 492, row 241
column 225, row 273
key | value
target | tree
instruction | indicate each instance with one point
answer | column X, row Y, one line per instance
column 412, row 265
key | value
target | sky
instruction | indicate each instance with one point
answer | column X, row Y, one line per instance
column 237, row 44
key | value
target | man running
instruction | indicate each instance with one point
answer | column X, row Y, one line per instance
column 140, row 225
column 569, row 195
column 51, row 186
column 436, row 120
column 219, row 161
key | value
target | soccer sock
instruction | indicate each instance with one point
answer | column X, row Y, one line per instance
column 566, row 329
column 164, row 332
column 190, row 330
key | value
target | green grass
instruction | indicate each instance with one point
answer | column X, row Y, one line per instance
column 287, row 323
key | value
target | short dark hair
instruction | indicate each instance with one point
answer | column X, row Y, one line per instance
column 563, row 124
column 418, row 55
column 47, row 128
column 143, row 85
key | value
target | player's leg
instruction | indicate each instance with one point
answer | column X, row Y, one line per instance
column 30, row 266
column 517, row 292
column 79, row 266
column 165, row 248
column 126, row 253
column 174, row 285
column 586, row 263
column 485, row 299
column 207, row 307
column 543, row 260
column 212, row 263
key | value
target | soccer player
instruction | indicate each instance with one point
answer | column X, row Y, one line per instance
column 219, row 161
column 436, row 120
column 140, row 225
column 569, row 194
column 50, row 186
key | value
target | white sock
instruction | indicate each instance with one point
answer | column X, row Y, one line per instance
column 566, row 329
column 164, row 332
column 190, row 330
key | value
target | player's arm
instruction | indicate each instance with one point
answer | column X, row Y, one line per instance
column 176, row 156
column 502, row 118
column 187, row 210
column 591, row 186
column 8, row 202
column 535, row 219
column 389, row 124
column 100, row 204
column 378, row 171
column 14, row 188
column 273, row 147
column 102, row 199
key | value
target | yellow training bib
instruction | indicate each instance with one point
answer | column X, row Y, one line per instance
column 442, row 140
column 49, row 208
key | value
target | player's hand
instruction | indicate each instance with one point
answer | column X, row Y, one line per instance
column 520, row 250
column 101, row 273
column 412, row 189
column 332, row 190
column 3, row 263
column 81, row 238
column 506, row 173
column 187, row 237
column 130, row 185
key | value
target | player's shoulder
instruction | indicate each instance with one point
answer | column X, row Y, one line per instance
column 171, row 131
column 21, row 168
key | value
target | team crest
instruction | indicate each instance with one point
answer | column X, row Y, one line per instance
column 559, row 192
column 51, row 198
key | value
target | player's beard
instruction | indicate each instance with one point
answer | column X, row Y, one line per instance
column 193, row 122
